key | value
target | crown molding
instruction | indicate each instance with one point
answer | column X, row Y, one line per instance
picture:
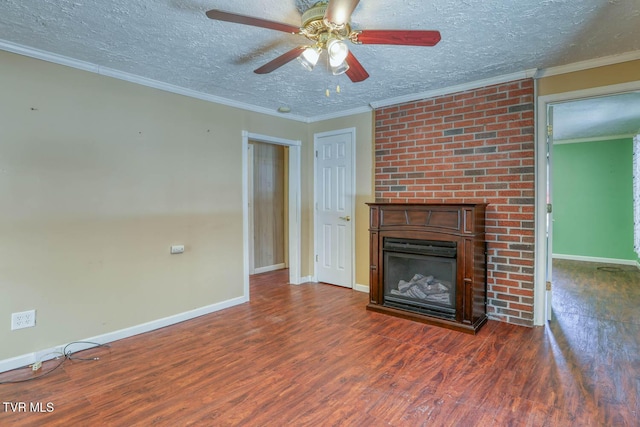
column 132, row 78
column 588, row 64
column 339, row 114
column 155, row 84
column 505, row 78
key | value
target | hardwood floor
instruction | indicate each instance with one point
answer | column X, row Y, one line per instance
column 311, row 355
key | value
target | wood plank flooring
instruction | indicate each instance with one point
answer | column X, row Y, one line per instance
column 311, row 355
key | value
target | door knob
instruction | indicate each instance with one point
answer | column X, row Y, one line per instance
column 346, row 218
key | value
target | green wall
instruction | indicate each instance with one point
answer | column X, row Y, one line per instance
column 593, row 199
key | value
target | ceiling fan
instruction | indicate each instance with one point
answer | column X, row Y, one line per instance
column 326, row 25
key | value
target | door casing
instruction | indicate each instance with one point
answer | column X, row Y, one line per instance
column 294, row 208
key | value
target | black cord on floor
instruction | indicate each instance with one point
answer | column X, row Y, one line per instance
column 66, row 355
column 35, row 378
column 69, row 354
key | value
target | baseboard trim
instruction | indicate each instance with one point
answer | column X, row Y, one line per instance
column 302, row 280
column 50, row 353
column 361, row 288
column 595, row 259
column 269, row 268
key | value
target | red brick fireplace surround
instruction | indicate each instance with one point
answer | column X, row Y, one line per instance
column 475, row 146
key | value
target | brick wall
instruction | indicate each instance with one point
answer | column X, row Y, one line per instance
column 471, row 147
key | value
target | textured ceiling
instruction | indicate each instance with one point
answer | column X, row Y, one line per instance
column 172, row 41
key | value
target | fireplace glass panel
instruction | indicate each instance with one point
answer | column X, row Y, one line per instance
column 421, row 283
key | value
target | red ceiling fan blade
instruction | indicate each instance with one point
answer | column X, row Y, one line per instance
column 399, row 37
column 356, row 71
column 280, row 61
column 220, row 15
column 339, row 12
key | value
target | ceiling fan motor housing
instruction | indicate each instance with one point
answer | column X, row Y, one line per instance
column 315, row 28
column 314, row 13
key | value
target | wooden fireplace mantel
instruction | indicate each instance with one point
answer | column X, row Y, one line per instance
column 460, row 223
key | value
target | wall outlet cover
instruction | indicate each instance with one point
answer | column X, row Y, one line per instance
column 23, row 319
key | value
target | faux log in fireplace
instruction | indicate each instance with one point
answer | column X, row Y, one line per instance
column 428, row 263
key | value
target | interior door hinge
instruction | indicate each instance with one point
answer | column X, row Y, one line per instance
column 549, row 130
column 316, row 258
column 316, row 154
column 549, row 208
column 548, row 286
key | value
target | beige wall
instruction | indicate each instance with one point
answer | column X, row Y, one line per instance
column 364, row 182
column 98, row 177
column 595, row 77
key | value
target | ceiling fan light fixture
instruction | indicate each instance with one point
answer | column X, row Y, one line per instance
column 334, row 25
column 309, row 58
column 338, row 68
column 327, row 25
column 338, row 50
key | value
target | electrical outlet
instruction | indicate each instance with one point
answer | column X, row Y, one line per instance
column 24, row 319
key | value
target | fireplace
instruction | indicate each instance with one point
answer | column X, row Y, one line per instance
column 428, row 263
column 420, row 275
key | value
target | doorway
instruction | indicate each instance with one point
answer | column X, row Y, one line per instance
column 293, row 209
column 267, row 207
column 544, row 223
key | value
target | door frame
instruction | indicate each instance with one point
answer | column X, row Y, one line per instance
column 294, row 208
column 540, row 261
column 250, row 197
column 548, row 294
column 352, row 259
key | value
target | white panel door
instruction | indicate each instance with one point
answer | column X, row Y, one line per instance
column 334, row 208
